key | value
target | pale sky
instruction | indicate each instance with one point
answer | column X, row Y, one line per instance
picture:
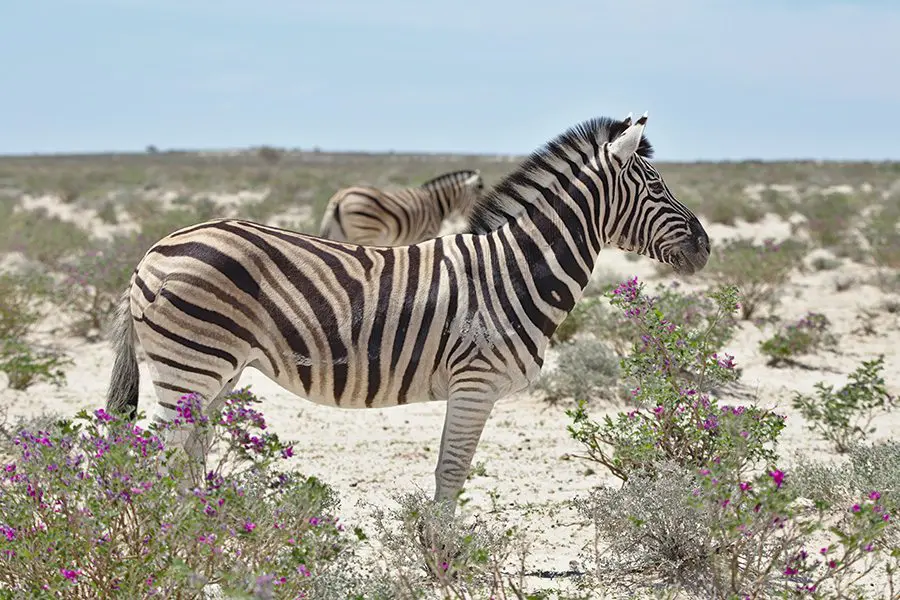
column 721, row 79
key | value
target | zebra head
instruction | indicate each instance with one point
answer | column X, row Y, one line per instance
column 643, row 214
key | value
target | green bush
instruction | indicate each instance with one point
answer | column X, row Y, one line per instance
column 844, row 417
column 830, row 218
column 759, row 271
column 805, row 336
column 26, row 364
column 21, row 297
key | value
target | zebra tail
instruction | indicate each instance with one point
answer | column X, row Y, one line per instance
column 122, row 396
column 331, row 222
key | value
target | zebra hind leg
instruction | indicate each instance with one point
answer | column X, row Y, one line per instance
column 186, row 436
column 199, row 441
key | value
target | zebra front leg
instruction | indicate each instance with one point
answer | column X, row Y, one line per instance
column 463, row 424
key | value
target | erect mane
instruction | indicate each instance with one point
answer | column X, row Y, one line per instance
column 504, row 202
column 449, row 177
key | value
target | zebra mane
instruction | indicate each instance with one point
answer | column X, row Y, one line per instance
column 504, row 201
column 449, row 177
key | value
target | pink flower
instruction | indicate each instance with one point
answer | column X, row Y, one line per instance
column 873, row 495
column 249, row 526
column 856, row 508
column 745, row 485
column 777, row 476
column 70, row 574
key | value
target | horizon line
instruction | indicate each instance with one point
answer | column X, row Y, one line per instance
column 295, row 151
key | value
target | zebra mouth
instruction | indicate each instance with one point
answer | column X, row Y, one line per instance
column 690, row 258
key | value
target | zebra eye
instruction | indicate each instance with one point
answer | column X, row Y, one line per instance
column 655, row 187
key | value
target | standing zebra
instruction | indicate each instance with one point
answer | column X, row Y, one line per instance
column 403, row 216
column 464, row 318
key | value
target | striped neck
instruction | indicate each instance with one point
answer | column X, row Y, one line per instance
column 560, row 240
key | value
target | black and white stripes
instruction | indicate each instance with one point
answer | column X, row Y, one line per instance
column 464, row 318
column 402, row 216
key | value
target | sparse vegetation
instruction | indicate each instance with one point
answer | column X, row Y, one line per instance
column 844, row 417
column 759, row 271
column 805, row 336
column 706, row 505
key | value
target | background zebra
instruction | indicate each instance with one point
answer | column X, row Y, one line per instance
column 464, row 318
column 402, row 216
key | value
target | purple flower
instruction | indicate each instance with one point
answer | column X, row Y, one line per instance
column 856, row 508
column 778, row 477
column 287, row 452
column 873, row 495
column 249, row 526
column 103, row 416
column 70, row 574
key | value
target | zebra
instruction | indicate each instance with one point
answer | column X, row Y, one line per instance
column 464, row 318
column 402, row 216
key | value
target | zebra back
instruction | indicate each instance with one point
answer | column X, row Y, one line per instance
column 404, row 215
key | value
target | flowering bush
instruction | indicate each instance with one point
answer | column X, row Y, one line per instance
column 844, row 417
column 807, row 335
column 676, row 418
column 723, row 534
column 757, row 270
column 97, row 507
column 95, row 279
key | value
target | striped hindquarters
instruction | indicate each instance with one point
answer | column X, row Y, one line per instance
column 401, row 216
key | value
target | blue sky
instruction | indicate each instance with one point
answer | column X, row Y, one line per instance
column 721, row 79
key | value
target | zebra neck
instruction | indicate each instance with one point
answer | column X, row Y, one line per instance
column 560, row 259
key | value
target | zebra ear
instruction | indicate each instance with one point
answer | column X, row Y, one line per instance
column 627, row 120
column 473, row 179
column 624, row 146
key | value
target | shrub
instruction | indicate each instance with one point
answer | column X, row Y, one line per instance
column 269, row 155
column 758, row 271
column 721, row 533
column 40, row 236
column 26, row 364
column 829, row 218
column 95, row 279
column 868, row 467
column 844, row 417
column 675, row 418
column 692, row 309
column 431, row 549
column 731, row 208
column 586, row 370
column 587, row 314
column 881, row 232
column 805, row 336
column 102, row 503
column 20, row 299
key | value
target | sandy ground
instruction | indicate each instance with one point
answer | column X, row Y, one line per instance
column 370, row 455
